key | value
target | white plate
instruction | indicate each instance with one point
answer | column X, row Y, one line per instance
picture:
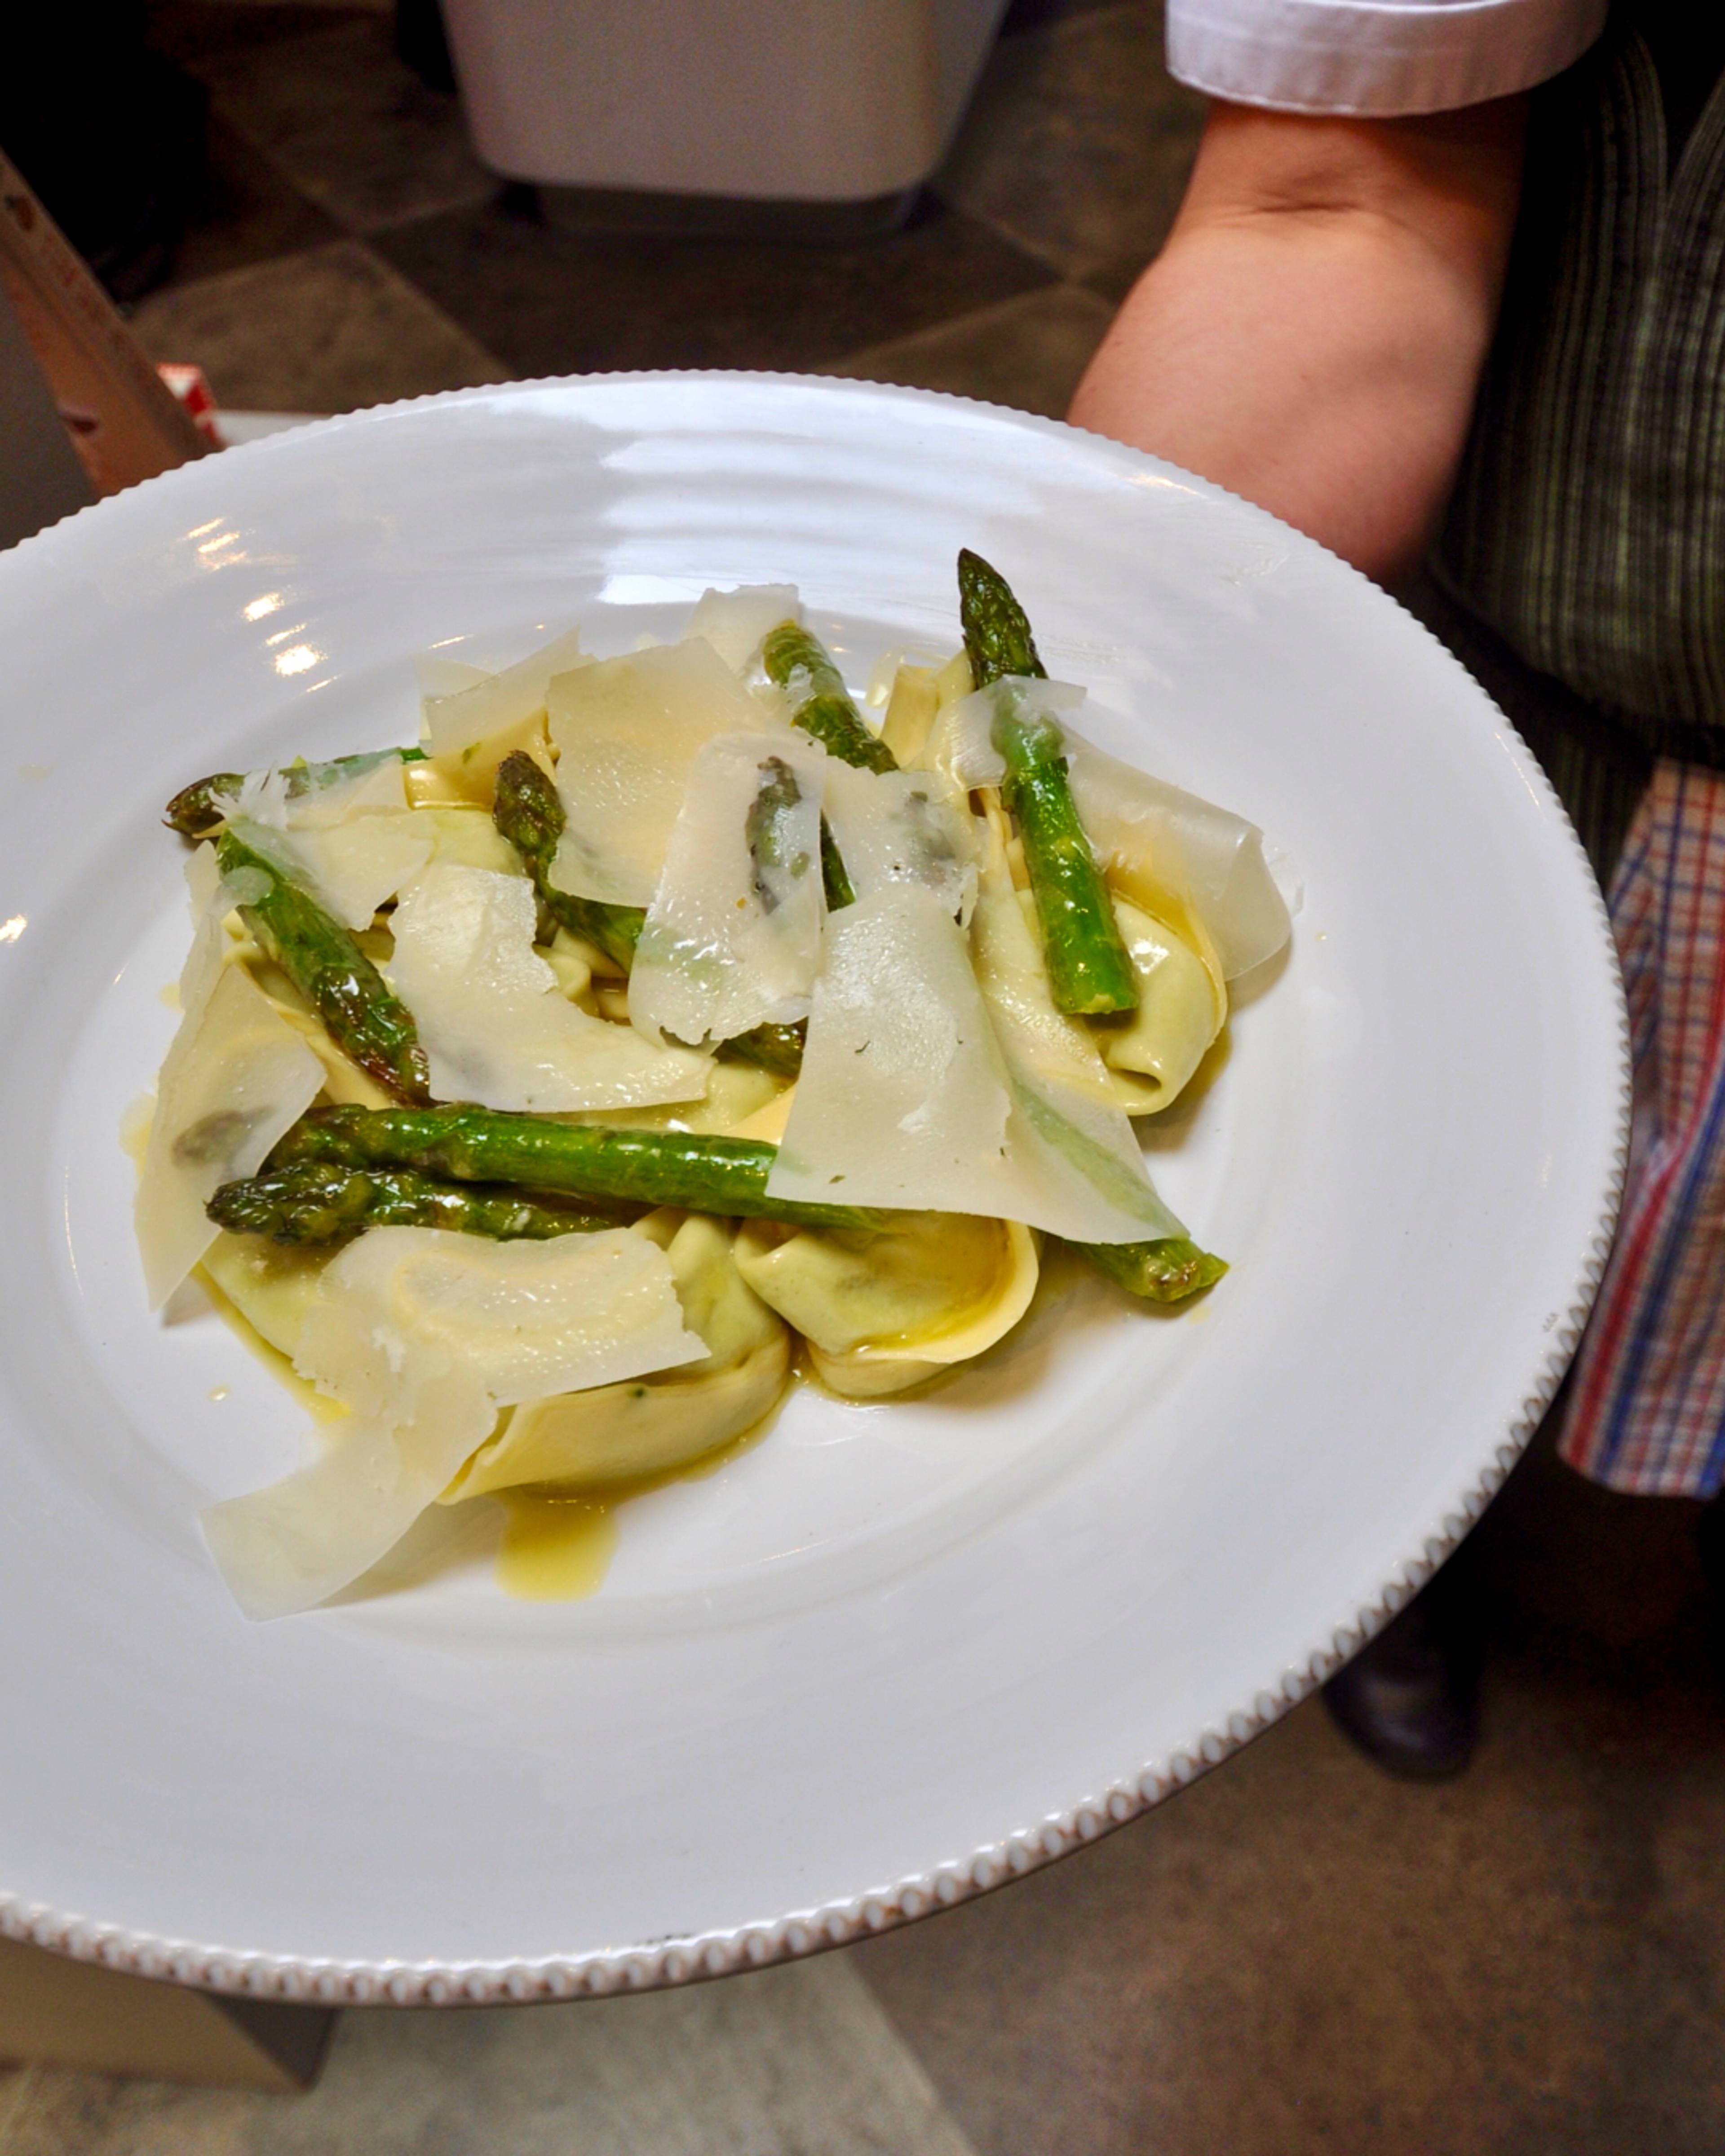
column 893, row 1654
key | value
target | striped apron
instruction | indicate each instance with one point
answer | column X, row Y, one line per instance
column 1581, row 575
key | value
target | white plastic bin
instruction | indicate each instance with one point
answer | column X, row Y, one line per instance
column 820, row 101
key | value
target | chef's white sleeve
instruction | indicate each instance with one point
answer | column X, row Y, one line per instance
column 1376, row 58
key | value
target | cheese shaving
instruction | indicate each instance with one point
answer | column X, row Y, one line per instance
column 914, row 1094
column 450, row 724
column 626, row 733
column 236, row 1077
column 1173, row 852
column 494, row 1026
column 353, row 868
column 736, row 624
column 424, row 1335
column 903, row 827
column 732, row 937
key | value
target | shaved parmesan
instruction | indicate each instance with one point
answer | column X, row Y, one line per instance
column 1073, row 1153
column 440, row 675
column 732, row 937
column 737, row 623
column 236, row 1076
column 353, row 867
column 494, row 1026
column 262, row 799
column 1160, row 845
column 210, row 903
column 1170, row 851
column 903, row 827
column 626, row 732
column 452, row 723
column 913, row 1094
column 304, row 797
column 902, row 1100
column 291, row 1546
column 425, row 1335
column 470, row 774
column 962, row 745
column 378, row 791
column 613, row 1433
column 524, row 1318
column 349, row 844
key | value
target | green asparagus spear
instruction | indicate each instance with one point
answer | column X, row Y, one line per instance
column 317, row 1201
column 530, row 815
column 775, row 1048
column 821, row 704
column 193, row 812
column 527, row 812
column 798, row 661
column 834, row 879
column 196, row 810
column 322, row 959
column 486, row 1145
column 997, row 632
column 1166, row 1271
column 1088, row 969
column 766, row 832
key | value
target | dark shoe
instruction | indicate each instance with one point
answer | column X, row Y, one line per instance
column 1409, row 1699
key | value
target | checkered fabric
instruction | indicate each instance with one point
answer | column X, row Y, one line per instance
column 1647, row 1408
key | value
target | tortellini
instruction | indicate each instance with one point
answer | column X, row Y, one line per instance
column 883, row 1310
column 736, row 1093
column 1151, row 1052
column 649, row 1425
column 609, row 1435
column 273, row 1287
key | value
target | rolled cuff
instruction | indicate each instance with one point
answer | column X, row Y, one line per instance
column 1377, row 61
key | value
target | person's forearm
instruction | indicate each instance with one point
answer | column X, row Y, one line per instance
column 1312, row 334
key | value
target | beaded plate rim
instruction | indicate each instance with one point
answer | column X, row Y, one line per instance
column 700, row 1956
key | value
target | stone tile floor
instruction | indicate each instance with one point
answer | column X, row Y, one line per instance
column 353, row 251
column 1298, row 1956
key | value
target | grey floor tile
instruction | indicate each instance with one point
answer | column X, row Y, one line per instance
column 1079, row 142
column 552, row 302
column 351, row 125
column 322, row 331
column 1299, row 1955
column 797, row 2061
column 251, row 212
column 1028, row 353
